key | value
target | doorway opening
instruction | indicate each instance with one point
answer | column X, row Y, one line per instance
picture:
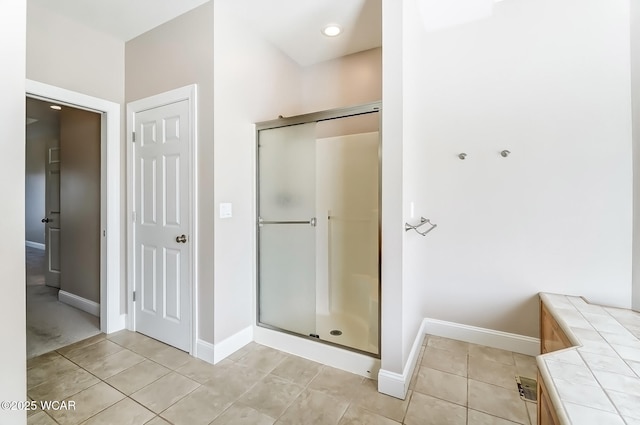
column 107, row 115
column 62, row 224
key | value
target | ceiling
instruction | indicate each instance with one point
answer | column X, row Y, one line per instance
column 294, row 26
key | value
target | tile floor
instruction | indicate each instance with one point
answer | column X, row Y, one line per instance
column 129, row 379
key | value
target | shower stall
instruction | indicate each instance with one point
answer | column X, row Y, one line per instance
column 318, row 226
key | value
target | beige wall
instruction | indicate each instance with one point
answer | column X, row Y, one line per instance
column 174, row 55
column 80, row 133
column 253, row 82
column 12, row 135
column 36, row 150
column 68, row 54
column 347, row 81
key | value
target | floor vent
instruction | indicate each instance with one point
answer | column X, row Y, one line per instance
column 527, row 388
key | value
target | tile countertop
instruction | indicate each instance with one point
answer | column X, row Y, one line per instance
column 598, row 380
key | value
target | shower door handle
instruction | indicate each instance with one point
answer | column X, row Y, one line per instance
column 312, row 221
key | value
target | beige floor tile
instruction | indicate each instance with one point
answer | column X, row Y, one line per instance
column 237, row 355
column 447, row 361
column 526, row 365
column 127, row 338
column 114, row 364
column 170, row 357
column 124, row 412
column 40, row 418
column 164, row 392
column 480, row 418
column 426, row 410
column 53, row 369
column 490, row 353
column 239, row 414
column 145, row 346
column 359, row 416
column 314, row 407
column 87, row 403
column 70, row 383
column 157, row 421
column 368, row 397
column 233, row 379
column 492, row 372
column 497, row 401
column 93, row 352
column 532, row 409
column 262, row 358
column 460, row 347
column 442, row 385
column 42, row 359
column 81, row 344
column 137, row 377
column 200, row 407
column 336, row 383
column 297, row 370
column 197, row 370
column 271, row 395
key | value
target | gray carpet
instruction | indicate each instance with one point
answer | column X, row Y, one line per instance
column 50, row 323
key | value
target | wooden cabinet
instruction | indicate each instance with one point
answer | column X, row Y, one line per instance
column 546, row 412
column 552, row 338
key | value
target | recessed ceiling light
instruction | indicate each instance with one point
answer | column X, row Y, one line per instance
column 332, row 30
column 56, row 107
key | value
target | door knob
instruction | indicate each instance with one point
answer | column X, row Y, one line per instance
column 181, row 239
column 45, row 220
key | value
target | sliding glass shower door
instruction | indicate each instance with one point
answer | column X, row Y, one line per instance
column 318, row 227
column 287, row 237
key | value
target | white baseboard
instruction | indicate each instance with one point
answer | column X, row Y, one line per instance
column 496, row 339
column 79, row 303
column 205, row 351
column 214, row 353
column 395, row 384
column 329, row 355
column 36, row 245
column 230, row 345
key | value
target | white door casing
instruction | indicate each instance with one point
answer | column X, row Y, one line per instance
column 112, row 319
column 162, row 199
column 52, row 215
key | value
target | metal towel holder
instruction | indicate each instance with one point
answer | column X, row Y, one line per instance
column 423, row 221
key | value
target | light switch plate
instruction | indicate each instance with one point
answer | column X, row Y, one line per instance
column 226, row 210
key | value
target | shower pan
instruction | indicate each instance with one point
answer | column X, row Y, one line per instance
column 318, row 226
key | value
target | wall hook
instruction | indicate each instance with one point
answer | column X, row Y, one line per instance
column 462, row 155
column 505, row 153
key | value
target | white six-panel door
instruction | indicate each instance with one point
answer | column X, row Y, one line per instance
column 162, row 242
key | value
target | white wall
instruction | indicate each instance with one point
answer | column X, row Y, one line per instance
column 635, row 92
column 548, row 80
column 13, row 385
column 253, row 82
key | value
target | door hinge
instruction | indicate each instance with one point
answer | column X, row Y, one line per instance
column 133, row 136
column 134, row 296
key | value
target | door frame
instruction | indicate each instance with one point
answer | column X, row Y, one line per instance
column 188, row 93
column 111, row 318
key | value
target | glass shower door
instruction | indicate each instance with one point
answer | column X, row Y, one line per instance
column 287, row 228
